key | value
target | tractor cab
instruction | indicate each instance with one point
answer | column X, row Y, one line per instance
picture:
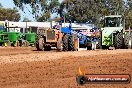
column 112, row 31
column 113, row 21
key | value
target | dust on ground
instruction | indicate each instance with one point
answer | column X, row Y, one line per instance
column 28, row 68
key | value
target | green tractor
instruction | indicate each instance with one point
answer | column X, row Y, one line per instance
column 22, row 39
column 13, row 38
column 16, row 38
column 30, row 38
column 113, row 33
column 4, row 41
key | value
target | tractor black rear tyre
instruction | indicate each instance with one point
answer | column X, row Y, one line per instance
column 37, row 46
column 71, row 43
column 65, row 43
column 118, row 43
column 126, row 40
column 47, row 48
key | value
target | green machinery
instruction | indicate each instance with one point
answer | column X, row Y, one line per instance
column 113, row 34
column 13, row 38
column 27, row 37
column 3, row 37
column 30, row 38
column 4, row 40
column 16, row 38
column 9, row 39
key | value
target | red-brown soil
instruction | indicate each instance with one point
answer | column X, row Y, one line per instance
column 27, row 68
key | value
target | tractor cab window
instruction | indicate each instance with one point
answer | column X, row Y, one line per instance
column 112, row 22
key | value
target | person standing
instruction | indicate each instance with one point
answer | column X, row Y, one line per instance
column 94, row 38
column 94, row 42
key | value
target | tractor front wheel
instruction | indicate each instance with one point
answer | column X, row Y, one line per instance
column 118, row 43
column 25, row 44
column 7, row 43
column 128, row 41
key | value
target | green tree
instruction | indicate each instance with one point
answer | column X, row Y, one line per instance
column 43, row 17
column 91, row 11
column 128, row 14
column 83, row 10
column 9, row 14
column 40, row 8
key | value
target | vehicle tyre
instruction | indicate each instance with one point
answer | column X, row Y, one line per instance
column 65, row 43
column 47, row 48
column 71, row 43
column 7, row 43
column 128, row 41
column 118, row 43
column 25, row 44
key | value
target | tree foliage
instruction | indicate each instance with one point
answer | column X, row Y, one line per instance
column 40, row 8
column 93, row 11
column 44, row 17
column 9, row 14
column 128, row 14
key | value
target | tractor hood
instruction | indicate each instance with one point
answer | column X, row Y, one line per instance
column 108, row 29
column 107, row 33
column 66, row 29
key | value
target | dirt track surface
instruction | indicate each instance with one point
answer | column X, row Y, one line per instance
column 27, row 68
